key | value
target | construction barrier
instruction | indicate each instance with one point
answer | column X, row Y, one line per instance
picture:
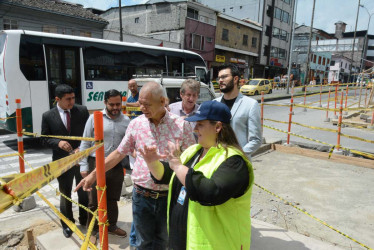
column 16, row 187
column 19, row 136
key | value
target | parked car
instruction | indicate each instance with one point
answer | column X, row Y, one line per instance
column 255, row 86
column 172, row 87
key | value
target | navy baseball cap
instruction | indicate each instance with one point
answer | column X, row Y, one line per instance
column 213, row 111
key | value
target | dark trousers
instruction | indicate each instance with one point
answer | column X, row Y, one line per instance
column 65, row 184
column 114, row 179
column 149, row 218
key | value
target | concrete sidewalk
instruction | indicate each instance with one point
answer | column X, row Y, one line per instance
column 265, row 236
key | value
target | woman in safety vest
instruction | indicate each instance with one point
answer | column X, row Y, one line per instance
column 210, row 185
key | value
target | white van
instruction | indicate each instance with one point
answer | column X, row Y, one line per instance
column 172, row 87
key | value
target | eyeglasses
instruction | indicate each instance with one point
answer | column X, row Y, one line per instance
column 222, row 77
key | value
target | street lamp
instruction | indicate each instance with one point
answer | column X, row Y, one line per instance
column 367, row 31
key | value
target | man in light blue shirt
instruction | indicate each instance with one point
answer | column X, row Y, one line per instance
column 245, row 111
column 115, row 125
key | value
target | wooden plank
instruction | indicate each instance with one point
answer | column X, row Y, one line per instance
column 367, row 163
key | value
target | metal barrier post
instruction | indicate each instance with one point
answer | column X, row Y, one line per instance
column 340, row 122
column 290, row 120
column 336, row 100
column 328, row 106
column 124, row 103
column 346, row 100
column 262, row 111
column 305, row 98
column 355, row 91
column 100, row 179
column 366, row 95
column 20, row 136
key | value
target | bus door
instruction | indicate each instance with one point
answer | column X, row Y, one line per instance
column 63, row 68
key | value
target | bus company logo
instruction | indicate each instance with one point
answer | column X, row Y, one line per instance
column 99, row 96
column 89, row 85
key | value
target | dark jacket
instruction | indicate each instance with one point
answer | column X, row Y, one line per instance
column 53, row 125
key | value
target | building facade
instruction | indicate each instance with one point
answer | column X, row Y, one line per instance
column 319, row 61
column 276, row 17
column 51, row 16
column 237, row 42
column 339, row 69
column 191, row 25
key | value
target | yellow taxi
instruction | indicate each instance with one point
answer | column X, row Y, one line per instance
column 255, row 86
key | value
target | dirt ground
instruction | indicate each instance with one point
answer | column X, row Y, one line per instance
column 340, row 194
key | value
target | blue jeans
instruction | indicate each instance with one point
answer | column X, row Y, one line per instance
column 149, row 216
column 132, row 235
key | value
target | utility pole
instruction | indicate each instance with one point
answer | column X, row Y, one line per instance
column 354, row 39
column 291, row 46
column 120, row 21
column 306, row 78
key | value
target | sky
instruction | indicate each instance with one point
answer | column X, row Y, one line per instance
column 327, row 12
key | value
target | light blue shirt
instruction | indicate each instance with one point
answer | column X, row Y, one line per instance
column 114, row 131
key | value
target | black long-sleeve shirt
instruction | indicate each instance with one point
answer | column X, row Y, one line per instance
column 230, row 180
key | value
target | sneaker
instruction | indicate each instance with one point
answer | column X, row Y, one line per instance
column 118, row 232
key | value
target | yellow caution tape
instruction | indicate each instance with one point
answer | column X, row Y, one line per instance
column 71, row 225
column 279, row 105
column 75, row 138
column 356, row 138
column 368, row 155
column 313, row 217
column 9, row 155
column 27, row 183
column 303, row 125
column 11, row 117
column 265, row 119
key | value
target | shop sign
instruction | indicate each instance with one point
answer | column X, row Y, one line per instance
column 220, row 58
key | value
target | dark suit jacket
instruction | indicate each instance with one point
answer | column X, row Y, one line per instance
column 53, row 125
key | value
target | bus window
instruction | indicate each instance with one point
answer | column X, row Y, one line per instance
column 63, row 68
column 31, row 58
column 101, row 64
column 174, row 65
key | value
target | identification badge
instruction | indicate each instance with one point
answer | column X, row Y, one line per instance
column 182, row 195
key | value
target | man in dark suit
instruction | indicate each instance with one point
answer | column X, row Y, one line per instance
column 66, row 119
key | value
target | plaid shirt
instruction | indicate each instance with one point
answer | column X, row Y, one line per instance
column 142, row 132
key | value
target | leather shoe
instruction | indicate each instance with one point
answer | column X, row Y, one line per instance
column 83, row 222
column 118, row 232
column 67, row 232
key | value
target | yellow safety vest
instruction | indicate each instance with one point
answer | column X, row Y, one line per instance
column 226, row 226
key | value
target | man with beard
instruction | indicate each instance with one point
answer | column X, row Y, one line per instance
column 115, row 125
column 245, row 111
column 189, row 93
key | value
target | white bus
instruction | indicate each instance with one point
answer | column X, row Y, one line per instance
column 33, row 63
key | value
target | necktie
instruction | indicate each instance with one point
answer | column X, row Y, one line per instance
column 67, row 120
